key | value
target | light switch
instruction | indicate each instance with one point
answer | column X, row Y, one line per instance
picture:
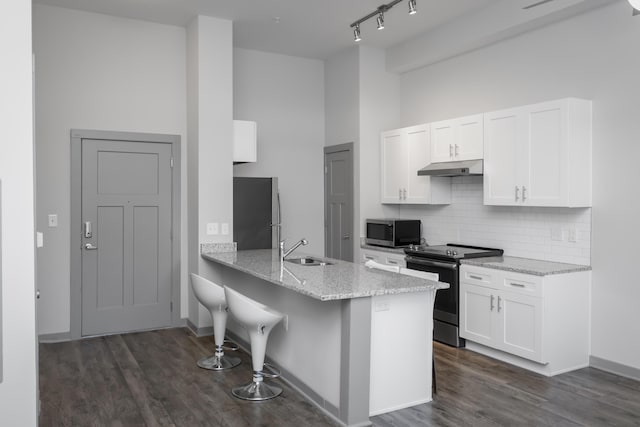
column 225, row 228
column 212, row 228
column 39, row 240
column 53, row 220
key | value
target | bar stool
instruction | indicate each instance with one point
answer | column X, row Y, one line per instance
column 212, row 297
column 258, row 320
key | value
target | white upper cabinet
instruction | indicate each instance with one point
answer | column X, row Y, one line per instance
column 245, row 148
column 539, row 155
column 457, row 139
column 403, row 152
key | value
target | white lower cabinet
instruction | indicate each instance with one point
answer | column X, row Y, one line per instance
column 382, row 257
column 523, row 318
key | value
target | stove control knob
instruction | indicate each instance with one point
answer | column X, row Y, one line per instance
column 454, row 253
column 448, row 251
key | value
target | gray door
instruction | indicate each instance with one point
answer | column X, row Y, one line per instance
column 338, row 189
column 126, row 229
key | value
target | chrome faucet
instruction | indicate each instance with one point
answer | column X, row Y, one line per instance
column 285, row 253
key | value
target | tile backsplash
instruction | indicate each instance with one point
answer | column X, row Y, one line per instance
column 529, row 232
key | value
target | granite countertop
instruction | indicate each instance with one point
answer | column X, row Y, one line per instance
column 399, row 251
column 342, row 280
column 534, row 267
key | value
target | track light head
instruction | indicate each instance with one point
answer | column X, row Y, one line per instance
column 356, row 33
column 380, row 21
column 412, row 7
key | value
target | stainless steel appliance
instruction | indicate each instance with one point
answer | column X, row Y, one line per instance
column 445, row 261
column 393, row 233
column 256, row 212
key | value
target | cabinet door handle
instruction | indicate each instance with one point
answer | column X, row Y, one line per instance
column 404, row 192
column 517, row 193
column 457, row 150
column 518, row 285
column 475, row 277
column 369, row 257
column 524, row 193
column 491, row 305
column 391, row 261
column 450, row 150
column 499, row 307
column 400, row 193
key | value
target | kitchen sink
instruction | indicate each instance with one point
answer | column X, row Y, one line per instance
column 308, row 261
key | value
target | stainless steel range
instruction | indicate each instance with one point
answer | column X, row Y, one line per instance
column 445, row 261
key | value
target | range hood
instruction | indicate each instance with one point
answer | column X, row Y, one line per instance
column 461, row 168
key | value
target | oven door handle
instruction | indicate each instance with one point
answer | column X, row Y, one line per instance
column 430, row 263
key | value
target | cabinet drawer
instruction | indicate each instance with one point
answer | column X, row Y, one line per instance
column 524, row 284
column 395, row 260
column 476, row 276
column 371, row 256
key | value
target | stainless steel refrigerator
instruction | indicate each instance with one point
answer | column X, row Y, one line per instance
column 256, row 213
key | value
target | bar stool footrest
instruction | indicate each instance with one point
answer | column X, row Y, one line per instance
column 270, row 371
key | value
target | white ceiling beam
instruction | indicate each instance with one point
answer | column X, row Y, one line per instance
column 500, row 21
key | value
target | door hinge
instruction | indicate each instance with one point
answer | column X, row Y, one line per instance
column 171, row 306
column 171, row 162
column 326, row 169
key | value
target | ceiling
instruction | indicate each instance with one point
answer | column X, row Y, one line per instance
column 306, row 28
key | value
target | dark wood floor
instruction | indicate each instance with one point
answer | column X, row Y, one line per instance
column 151, row 379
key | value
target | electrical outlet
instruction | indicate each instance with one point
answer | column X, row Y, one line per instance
column 212, row 228
column 225, row 228
column 556, row 234
column 53, row 220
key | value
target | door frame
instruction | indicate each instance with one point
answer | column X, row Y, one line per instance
column 349, row 147
column 75, row 294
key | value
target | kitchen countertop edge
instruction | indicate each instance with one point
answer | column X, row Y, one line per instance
column 390, row 283
column 533, row 267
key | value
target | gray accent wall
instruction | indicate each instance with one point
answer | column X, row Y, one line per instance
column 95, row 93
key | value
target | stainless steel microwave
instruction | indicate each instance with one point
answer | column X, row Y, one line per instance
column 393, row 233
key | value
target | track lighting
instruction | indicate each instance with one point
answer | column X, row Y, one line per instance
column 379, row 13
column 356, row 33
column 412, row 7
column 380, row 21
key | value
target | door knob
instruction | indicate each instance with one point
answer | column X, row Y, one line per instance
column 345, row 237
column 90, row 247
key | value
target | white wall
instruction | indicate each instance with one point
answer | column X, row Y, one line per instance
column 342, row 116
column 591, row 56
column 362, row 101
column 96, row 72
column 18, row 386
column 379, row 109
column 210, row 132
column 285, row 96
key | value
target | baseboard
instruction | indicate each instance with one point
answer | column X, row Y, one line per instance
column 53, row 338
column 614, row 368
column 199, row 332
column 328, row 408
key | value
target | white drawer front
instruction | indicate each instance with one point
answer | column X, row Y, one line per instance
column 524, row 284
column 478, row 276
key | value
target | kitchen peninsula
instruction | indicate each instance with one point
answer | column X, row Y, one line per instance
column 356, row 341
